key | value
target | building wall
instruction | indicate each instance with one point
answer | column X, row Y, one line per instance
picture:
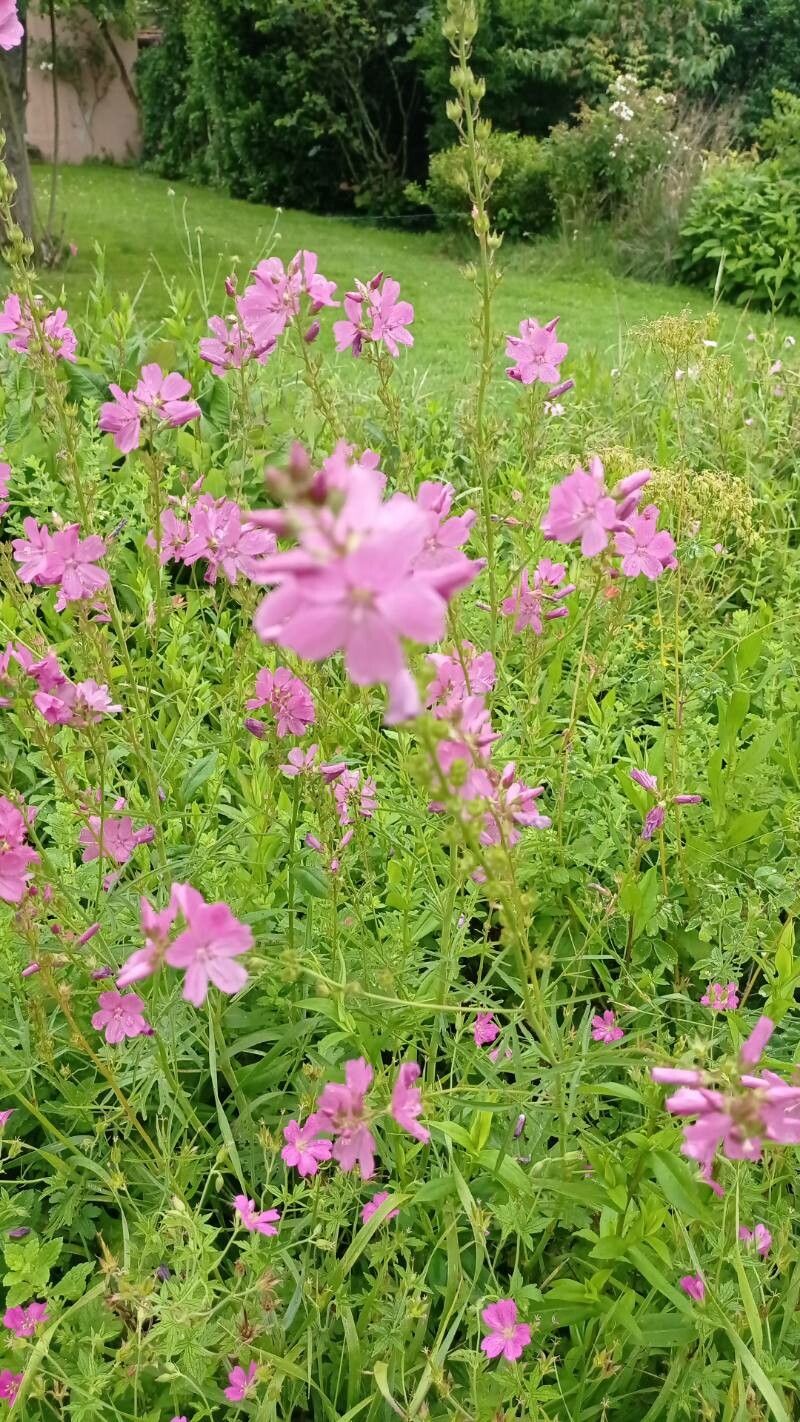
column 97, row 116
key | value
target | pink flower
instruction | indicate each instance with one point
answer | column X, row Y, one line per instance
column 354, row 795
column 5, row 1117
column 485, row 1029
column 159, row 396
column 256, row 1221
column 341, row 1112
column 506, row 1338
column 374, row 314
column 455, row 681
column 120, row 1016
column 5, row 479
column 114, row 839
column 719, row 998
column 9, row 1385
column 16, row 858
column 760, row 1236
column 303, row 1150
column 241, row 1383
column 643, row 548
column 208, row 946
column 528, row 604
column 23, row 1322
column 11, row 31
column 656, row 816
column 694, row 1286
column 57, row 337
column 231, row 345
column 406, row 1104
column 220, row 533
column 537, row 352
column 581, row 508
column 511, row 803
column 354, row 584
column 288, row 698
column 82, row 704
column 72, row 566
column 372, row 1206
column 49, row 332
column 34, row 553
column 156, row 927
column 272, row 301
column 299, row 761
column 605, row 1029
column 173, row 535
column 645, row 779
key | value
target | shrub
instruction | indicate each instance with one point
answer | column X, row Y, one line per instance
column 521, row 200
column 742, row 233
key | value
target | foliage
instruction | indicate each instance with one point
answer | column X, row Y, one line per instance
column 779, row 135
column 763, row 40
column 521, row 201
column 742, row 232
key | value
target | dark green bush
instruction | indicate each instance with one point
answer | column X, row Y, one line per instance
column 521, row 202
column 743, row 230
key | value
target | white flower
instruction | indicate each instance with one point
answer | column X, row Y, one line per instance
column 615, row 371
column 790, row 341
column 621, row 111
column 710, row 345
column 553, row 407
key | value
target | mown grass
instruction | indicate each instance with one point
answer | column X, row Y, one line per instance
column 143, row 225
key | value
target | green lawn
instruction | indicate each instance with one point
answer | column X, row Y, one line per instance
column 140, row 221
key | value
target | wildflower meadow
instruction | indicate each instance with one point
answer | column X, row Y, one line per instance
column 398, row 855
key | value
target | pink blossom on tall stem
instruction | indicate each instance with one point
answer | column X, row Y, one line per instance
column 23, row 1322
column 644, row 548
column 48, row 331
column 120, row 1017
column 656, row 816
column 530, row 603
column 537, row 353
column 721, row 999
column 605, row 1028
column 511, row 803
column 11, row 31
column 208, row 946
column 156, row 927
column 255, row 1221
column 5, row 1117
column 16, row 858
column 299, row 761
column 231, row 346
column 353, row 794
column 694, row 1286
column 9, row 1385
column 506, row 1337
column 760, row 1237
column 406, row 1103
column 342, row 1113
column 458, row 677
column 221, row 534
column 485, row 1029
column 304, row 1151
column 581, row 508
column 287, row 697
column 112, row 838
column 62, row 559
column 80, row 704
column 374, row 314
column 241, row 1382
column 157, row 396
column 272, row 301
column 372, row 1206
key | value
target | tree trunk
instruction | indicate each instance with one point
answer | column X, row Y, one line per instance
column 13, row 98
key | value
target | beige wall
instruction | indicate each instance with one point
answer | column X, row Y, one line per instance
column 98, row 119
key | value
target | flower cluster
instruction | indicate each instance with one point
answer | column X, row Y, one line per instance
column 341, row 1126
column 541, row 599
column 273, row 299
column 206, row 948
column 63, row 560
column 16, row 857
column 287, row 697
column 155, row 399
column 582, row 508
column 26, row 325
column 738, row 1117
column 655, row 817
column 366, row 572
column 120, row 1016
column 231, row 345
column 721, row 998
column 216, row 532
column 374, row 315
column 537, row 354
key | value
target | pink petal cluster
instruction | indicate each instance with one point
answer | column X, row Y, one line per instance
column 216, row 531
column 5, row 480
column 207, row 947
column 406, row 1103
column 23, row 1322
column 16, row 857
column 11, row 30
column 304, row 1151
column 79, row 704
column 25, row 325
column 694, row 1286
column 62, row 559
column 366, row 573
column 374, row 314
column 485, row 1029
column 231, row 345
column 120, row 1016
column 506, row 1338
column 157, row 397
column 273, row 299
column 735, row 1119
column 353, row 795
column 644, row 547
column 537, row 352
column 9, row 1385
column 465, row 674
column 112, row 837
column 760, row 1237
column 287, row 697
column 343, row 1119
column 372, row 1206
column 582, row 508
column 721, row 998
column 241, row 1382
column 255, row 1221
column 657, row 814
column 530, row 603
column 605, row 1028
